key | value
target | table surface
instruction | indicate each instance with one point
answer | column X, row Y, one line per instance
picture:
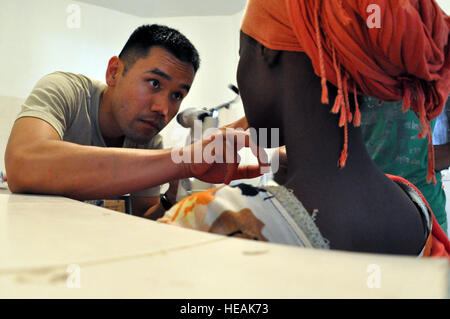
column 55, row 247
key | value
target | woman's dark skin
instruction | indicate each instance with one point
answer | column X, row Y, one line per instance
column 360, row 209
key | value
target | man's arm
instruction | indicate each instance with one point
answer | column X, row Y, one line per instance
column 38, row 161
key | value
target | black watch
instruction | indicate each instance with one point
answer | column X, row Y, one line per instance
column 165, row 202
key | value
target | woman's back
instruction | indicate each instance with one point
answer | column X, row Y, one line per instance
column 376, row 216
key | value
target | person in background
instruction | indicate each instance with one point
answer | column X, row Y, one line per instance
column 441, row 139
column 296, row 56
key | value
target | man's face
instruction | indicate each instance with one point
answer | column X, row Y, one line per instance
column 149, row 95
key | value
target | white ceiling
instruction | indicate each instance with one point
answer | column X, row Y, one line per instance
column 172, row 8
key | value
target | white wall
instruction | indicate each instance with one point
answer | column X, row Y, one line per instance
column 445, row 5
column 237, row 111
column 36, row 40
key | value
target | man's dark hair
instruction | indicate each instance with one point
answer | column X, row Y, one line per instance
column 147, row 36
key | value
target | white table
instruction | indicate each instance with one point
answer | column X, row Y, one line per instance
column 54, row 247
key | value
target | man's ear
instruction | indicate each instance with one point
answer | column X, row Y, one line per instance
column 270, row 56
column 115, row 67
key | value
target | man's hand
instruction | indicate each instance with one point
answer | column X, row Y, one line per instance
column 215, row 159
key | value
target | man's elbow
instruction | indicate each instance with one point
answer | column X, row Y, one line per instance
column 15, row 184
column 16, row 168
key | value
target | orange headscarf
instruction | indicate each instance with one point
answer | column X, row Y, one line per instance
column 407, row 58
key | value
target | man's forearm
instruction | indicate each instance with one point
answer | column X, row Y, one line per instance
column 87, row 172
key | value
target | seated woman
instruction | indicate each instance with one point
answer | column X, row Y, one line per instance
column 288, row 51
